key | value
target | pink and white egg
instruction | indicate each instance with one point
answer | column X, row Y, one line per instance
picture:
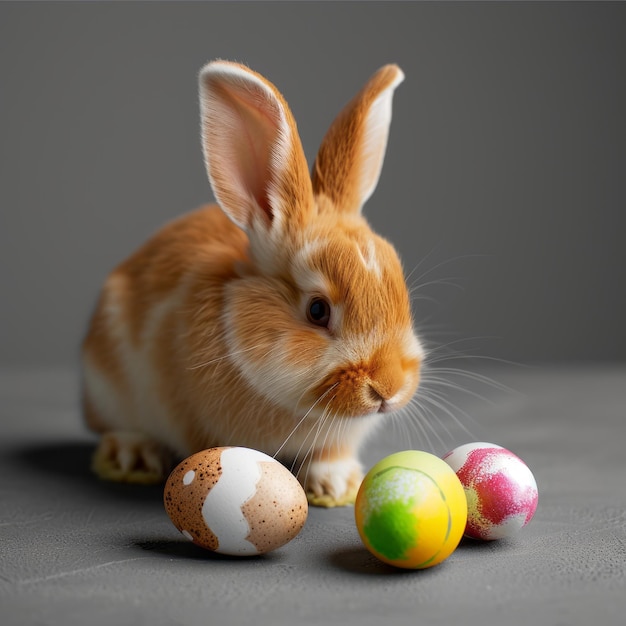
column 501, row 490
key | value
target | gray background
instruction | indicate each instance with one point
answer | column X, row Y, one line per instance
column 504, row 181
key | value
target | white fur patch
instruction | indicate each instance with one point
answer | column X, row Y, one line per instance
column 308, row 279
column 104, row 396
column 359, row 347
column 369, row 258
column 412, row 346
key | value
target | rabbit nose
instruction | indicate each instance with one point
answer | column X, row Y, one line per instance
column 378, row 395
column 386, row 379
column 373, row 393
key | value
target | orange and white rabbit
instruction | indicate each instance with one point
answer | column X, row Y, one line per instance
column 277, row 320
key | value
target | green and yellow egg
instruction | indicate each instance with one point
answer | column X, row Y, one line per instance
column 411, row 510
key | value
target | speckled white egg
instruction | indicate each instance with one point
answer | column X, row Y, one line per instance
column 235, row 501
column 501, row 490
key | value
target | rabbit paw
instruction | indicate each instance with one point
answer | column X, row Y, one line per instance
column 333, row 483
column 131, row 458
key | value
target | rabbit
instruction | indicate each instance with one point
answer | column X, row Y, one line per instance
column 276, row 319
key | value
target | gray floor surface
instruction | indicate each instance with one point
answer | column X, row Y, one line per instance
column 77, row 551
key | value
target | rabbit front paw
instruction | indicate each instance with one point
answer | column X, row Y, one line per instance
column 332, row 483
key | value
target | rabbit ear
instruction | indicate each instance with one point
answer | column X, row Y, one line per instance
column 351, row 156
column 252, row 151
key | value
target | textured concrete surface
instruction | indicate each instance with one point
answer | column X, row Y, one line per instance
column 77, row 551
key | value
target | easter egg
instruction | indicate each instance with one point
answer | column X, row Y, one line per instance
column 235, row 501
column 411, row 510
column 501, row 490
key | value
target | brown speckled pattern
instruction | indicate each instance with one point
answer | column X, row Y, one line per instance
column 183, row 503
column 277, row 511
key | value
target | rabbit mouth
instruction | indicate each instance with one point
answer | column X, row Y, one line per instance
column 386, row 407
column 387, row 404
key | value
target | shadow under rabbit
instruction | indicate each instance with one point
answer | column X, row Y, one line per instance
column 71, row 461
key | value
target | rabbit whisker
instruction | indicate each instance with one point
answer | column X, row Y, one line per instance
column 309, row 455
column 461, row 257
column 221, row 358
column 300, row 422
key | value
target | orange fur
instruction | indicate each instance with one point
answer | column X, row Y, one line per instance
column 201, row 337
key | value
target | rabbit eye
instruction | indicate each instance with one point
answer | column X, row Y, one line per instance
column 318, row 312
